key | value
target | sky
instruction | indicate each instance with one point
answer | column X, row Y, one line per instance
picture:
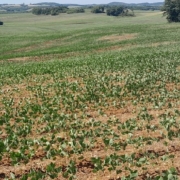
column 75, row 1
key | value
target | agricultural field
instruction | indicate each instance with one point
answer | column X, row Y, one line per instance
column 89, row 97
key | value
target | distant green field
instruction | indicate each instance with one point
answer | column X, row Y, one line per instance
column 76, row 32
column 88, row 96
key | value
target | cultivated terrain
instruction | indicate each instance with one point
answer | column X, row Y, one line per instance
column 89, row 96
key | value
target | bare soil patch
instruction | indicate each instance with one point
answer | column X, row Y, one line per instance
column 19, row 59
column 118, row 37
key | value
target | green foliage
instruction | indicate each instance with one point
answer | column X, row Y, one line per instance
column 49, row 10
column 52, row 170
column 172, row 10
column 54, row 12
column 75, row 10
column 98, row 9
column 115, row 11
column 70, row 170
column 2, row 148
column 170, row 174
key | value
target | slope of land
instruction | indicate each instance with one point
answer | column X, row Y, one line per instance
column 89, row 97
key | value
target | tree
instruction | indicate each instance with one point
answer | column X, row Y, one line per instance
column 54, row 12
column 98, row 9
column 115, row 11
column 75, row 10
column 128, row 12
column 172, row 10
column 37, row 11
column 1, row 23
column 49, row 10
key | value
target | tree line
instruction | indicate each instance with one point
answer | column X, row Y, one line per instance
column 49, row 10
column 113, row 10
column 110, row 11
column 14, row 9
column 56, row 10
column 171, row 10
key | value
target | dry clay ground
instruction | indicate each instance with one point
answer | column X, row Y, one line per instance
column 147, row 138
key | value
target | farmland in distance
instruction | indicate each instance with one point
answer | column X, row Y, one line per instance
column 85, row 96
